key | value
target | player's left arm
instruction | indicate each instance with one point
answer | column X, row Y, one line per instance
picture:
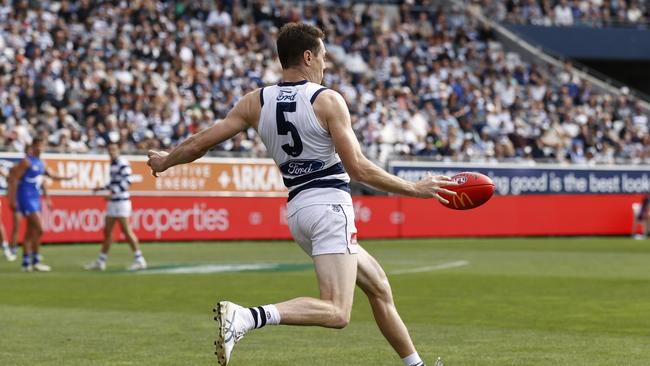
column 238, row 119
column 46, row 196
column 53, row 176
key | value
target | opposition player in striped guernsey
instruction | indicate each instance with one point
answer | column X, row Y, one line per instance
column 118, row 209
column 307, row 130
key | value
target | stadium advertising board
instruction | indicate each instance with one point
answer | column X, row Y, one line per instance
column 207, row 177
column 251, row 218
column 540, row 179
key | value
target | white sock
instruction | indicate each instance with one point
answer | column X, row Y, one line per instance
column 5, row 245
column 272, row 314
column 258, row 317
column 138, row 255
column 102, row 257
column 413, row 360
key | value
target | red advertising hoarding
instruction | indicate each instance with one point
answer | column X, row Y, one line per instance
column 72, row 219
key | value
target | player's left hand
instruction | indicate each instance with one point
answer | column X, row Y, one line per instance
column 156, row 161
column 431, row 186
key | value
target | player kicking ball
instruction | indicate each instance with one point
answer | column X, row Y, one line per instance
column 118, row 210
column 306, row 128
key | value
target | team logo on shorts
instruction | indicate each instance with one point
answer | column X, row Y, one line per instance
column 336, row 208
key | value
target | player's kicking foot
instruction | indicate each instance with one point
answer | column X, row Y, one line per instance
column 137, row 265
column 95, row 266
column 40, row 267
column 228, row 332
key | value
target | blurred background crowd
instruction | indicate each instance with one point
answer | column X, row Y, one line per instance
column 595, row 13
column 419, row 79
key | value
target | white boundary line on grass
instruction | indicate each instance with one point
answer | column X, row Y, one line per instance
column 437, row 267
column 209, row 268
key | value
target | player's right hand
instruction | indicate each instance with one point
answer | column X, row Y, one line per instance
column 431, row 185
column 156, row 161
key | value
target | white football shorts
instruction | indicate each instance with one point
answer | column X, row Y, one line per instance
column 325, row 229
column 118, row 208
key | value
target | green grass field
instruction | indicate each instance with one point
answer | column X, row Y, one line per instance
column 471, row 301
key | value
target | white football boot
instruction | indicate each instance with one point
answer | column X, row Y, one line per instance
column 228, row 332
column 95, row 266
column 138, row 265
column 9, row 256
column 40, row 267
column 28, row 268
column 438, row 362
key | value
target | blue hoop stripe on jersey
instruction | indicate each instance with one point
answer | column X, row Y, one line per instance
column 262, row 97
column 334, row 169
column 322, row 183
column 118, row 199
column 313, row 97
column 292, row 83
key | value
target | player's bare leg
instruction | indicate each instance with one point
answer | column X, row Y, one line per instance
column 14, row 231
column 372, row 279
column 5, row 245
column 336, row 274
column 34, row 231
column 138, row 261
column 109, row 224
column 130, row 235
column 100, row 263
column 27, row 250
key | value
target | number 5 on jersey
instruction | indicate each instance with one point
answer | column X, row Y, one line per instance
column 284, row 127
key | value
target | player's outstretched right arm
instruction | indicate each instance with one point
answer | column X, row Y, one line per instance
column 197, row 145
column 330, row 107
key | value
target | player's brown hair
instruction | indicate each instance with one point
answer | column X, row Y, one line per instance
column 296, row 38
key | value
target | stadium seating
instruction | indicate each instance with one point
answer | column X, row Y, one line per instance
column 432, row 84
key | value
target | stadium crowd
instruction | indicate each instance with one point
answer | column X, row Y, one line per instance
column 432, row 84
column 596, row 13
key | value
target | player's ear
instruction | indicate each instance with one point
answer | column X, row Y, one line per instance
column 307, row 56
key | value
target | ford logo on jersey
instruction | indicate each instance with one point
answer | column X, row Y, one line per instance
column 286, row 95
column 300, row 167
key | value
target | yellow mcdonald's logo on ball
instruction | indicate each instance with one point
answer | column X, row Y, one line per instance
column 460, row 200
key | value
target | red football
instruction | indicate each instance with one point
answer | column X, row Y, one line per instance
column 473, row 190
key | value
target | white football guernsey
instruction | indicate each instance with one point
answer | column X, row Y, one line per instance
column 302, row 148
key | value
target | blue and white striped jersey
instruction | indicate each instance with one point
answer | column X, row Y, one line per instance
column 301, row 147
column 120, row 179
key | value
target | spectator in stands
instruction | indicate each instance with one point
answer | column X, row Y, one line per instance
column 563, row 13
